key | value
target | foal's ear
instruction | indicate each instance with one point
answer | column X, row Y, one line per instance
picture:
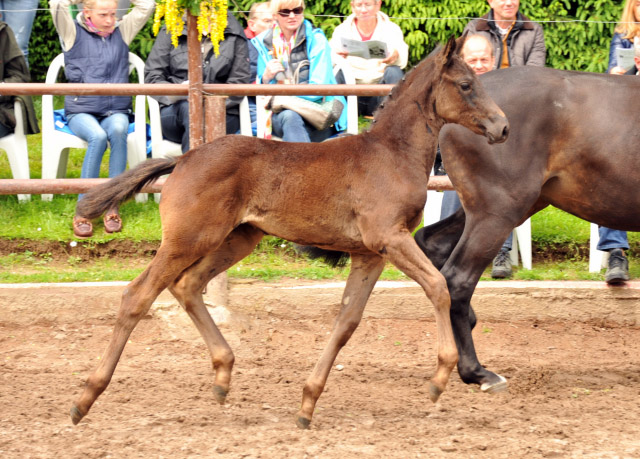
column 449, row 51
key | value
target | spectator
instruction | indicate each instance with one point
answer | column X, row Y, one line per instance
column 516, row 41
column 365, row 23
column 19, row 14
column 627, row 29
column 260, row 19
column 13, row 69
column 611, row 240
column 167, row 64
column 96, row 50
column 293, row 46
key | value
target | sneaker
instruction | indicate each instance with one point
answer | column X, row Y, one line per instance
column 501, row 265
column 618, row 269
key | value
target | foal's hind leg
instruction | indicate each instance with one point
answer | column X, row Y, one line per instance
column 137, row 298
column 188, row 291
column 365, row 270
column 403, row 252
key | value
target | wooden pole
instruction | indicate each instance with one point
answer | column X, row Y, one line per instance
column 215, row 123
column 196, row 128
column 215, row 117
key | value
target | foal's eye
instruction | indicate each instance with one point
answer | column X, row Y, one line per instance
column 465, row 86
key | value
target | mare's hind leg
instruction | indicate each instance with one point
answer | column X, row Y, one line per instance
column 403, row 252
column 188, row 291
column 137, row 298
column 365, row 270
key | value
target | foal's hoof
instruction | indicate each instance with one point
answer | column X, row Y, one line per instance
column 220, row 394
column 434, row 392
column 495, row 387
column 303, row 423
column 76, row 415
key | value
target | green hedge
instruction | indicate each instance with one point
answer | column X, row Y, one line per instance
column 570, row 45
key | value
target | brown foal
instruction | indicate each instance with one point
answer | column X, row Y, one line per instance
column 362, row 194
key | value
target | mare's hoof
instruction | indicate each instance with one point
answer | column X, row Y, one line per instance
column 303, row 423
column 76, row 415
column 434, row 392
column 495, row 387
column 220, row 394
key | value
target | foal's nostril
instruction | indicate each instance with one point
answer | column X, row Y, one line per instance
column 505, row 132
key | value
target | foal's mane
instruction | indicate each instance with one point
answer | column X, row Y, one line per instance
column 421, row 70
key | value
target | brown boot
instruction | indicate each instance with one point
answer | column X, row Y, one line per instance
column 82, row 227
column 112, row 221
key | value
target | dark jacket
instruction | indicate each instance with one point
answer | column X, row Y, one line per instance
column 13, row 69
column 525, row 41
column 167, row 64
column 94, row 59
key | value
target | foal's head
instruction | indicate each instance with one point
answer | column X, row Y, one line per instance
column 447, row 90
column 461, row 99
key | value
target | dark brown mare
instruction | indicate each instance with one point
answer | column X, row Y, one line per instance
column 572, row 145
column 362, row 195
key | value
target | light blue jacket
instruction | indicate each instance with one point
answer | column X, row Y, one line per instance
column 311, row 44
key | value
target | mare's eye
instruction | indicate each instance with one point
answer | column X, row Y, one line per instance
column 465, row 86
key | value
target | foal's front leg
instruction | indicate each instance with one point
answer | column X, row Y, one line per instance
column 403, row 252
column 365, row 270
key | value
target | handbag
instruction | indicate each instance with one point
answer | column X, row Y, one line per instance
column 319, row 115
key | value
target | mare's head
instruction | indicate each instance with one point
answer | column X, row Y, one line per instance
column 452, row 93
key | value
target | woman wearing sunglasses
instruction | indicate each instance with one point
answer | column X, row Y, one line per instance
column 292, row 49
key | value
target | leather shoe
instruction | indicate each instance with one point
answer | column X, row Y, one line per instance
column 112, row 223
column 82, row 228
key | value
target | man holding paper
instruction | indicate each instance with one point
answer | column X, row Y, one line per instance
column 371, row 47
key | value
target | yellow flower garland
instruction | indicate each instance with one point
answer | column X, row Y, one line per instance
column 211, row 14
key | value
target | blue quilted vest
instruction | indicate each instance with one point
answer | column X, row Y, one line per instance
column 93, row 59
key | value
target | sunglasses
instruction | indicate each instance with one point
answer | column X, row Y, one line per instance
column 286, row 12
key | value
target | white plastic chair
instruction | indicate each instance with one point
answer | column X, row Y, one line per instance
column 521, row 234
column 352, row 104
column 598, row 259
column 16, row 147
column 56, row 144
column 162, row 148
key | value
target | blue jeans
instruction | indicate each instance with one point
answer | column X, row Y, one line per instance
column 291, row 127
column 451, row 203
column 174, row 120
column 612, row 239
column 96, row 132
column 19, row 14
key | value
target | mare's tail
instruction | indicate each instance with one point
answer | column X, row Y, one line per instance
column 123, row 187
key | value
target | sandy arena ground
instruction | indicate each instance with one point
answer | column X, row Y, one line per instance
column 572, row 361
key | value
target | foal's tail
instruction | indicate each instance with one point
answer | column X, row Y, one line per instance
column 123, row 187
